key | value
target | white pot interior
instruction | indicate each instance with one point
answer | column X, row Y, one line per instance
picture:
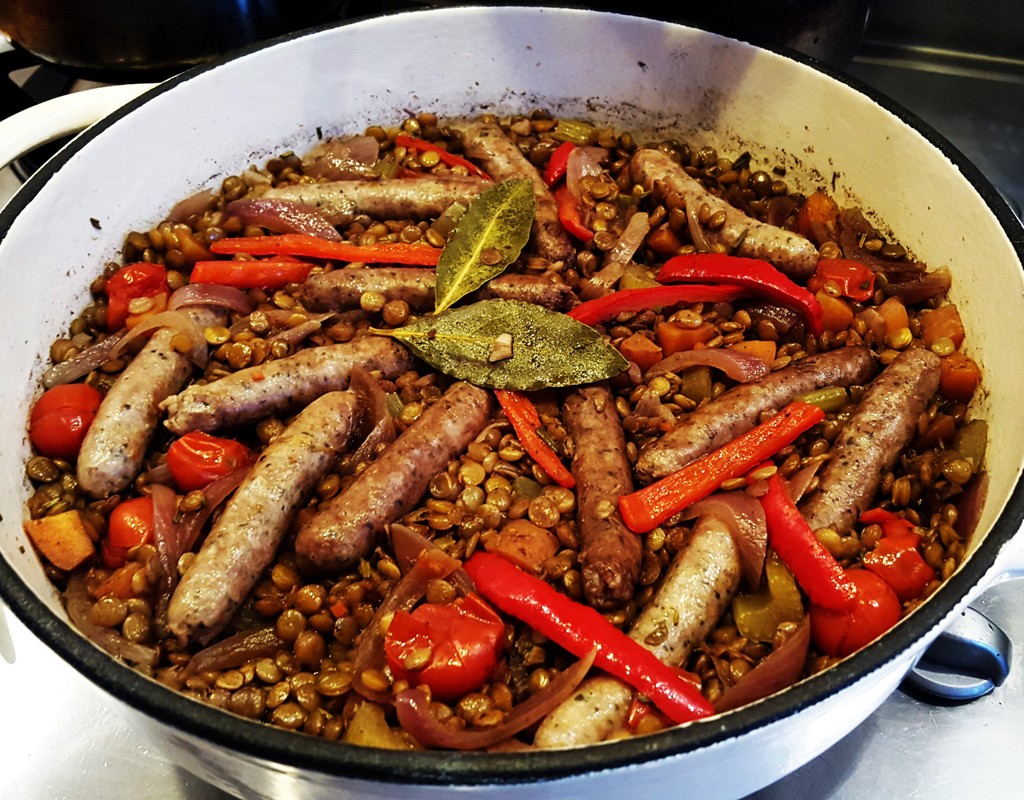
column 637, row 73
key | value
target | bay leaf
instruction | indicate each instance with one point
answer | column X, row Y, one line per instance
column 549, row 349
column 488, row 237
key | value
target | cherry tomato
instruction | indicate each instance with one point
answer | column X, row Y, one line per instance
column 198, row 458
column 877, row 608
column 460, row 643
column 130, row 524
column 127, row 284
column 61, row 417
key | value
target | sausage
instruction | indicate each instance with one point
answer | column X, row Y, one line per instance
column 610, row 554
column 414, row 197
column 790, row 252
column 883, row 424
column 246, row 537
column 501, row 158
column 695, row 591
column 738, row 410
column 280, row 385
column 115, row 445
column 341, row 288
column 346, row 527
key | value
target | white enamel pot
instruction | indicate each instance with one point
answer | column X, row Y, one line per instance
column 126, row 171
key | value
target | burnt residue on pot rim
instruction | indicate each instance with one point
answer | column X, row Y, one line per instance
column 298, row 751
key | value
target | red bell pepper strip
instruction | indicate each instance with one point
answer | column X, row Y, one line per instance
column 645, row 509
column 603, row 309
column 814, row 567
column 752, row 273
column 301, row 244
column 554, row 170
column 569, row 215
column 250, row 274
column 526, row 421
column 855, row 280
column 451, row 159
column 580, row 629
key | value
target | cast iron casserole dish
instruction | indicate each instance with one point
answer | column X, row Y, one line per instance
column 653, row 76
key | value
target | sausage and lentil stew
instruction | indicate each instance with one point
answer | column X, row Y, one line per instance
column 432, row 435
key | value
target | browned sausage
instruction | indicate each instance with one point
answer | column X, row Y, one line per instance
column 790, row 252
column 738, row 410
column 696, row 590
column 501, row 158
column 346, row 527
column 883, row 424
column 112, row 452
column 280, row 385
column 414, row 197
column 246, row 537
column 341, row 288
column 610, row 553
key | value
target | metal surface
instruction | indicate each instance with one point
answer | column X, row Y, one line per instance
column 61, row 738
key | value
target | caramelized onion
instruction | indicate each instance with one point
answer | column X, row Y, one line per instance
column 283, row 216
column 168, row 548
column 413, row 707
column 78, row 603
column 180, row 322
column 700, row 239
column 236, row 650
column 378, row 424
column 741, row 367
column 216, row 492
column 779, row 669
column 618, row 258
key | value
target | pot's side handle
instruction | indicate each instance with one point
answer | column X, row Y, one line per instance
column 61, row 116
column 1010, row 562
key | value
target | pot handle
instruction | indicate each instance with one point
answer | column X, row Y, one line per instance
column 61, row 116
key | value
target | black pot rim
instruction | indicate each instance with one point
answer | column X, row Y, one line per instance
column 482, row 769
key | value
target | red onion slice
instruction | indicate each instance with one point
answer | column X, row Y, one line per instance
column 85, row 362
column 741, row 367
column 744, row 517
column 77, row 602
column 193, row 205
column 413, row 707
column 210, row 294
column 283, row 216
column 342, row 158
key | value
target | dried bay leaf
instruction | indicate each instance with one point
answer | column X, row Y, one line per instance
column 488, row 237
column 549, row 349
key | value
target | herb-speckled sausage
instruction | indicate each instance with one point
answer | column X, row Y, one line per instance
column 341, row 288
column 246, row 537
column 414, row 197
column 346, row 527
column 883, row 424
column 790, row 252
column 610, row 553
column 737, row 411
column 696, row 590
column 285, row 383
column 115, row 445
